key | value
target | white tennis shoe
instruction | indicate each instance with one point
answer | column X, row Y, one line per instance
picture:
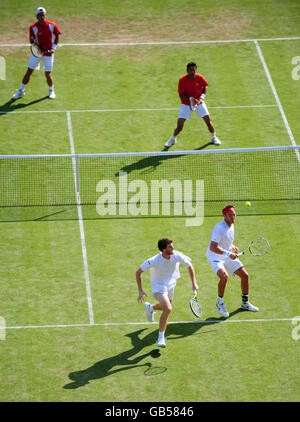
column 170, row 142
column 215, row 140
column 222, row 310
column 52, row 94
column 161, row 342
column 20, row 93
column 149, row 312
column 249, row 307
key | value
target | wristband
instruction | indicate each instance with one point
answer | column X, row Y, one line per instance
column 54, row 46
column 226, row 253
column 202, row 96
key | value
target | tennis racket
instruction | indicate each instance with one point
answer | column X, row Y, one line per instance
column 258, row 247
column 195, row 306
column 37, row 51
column 192, row 103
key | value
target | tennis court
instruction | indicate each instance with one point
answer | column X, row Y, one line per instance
column 73, row 328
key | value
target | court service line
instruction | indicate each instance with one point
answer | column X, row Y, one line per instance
column 80, row 219
column 103, row 44
column 271, row 83
column 110, row 324
column 112, row 110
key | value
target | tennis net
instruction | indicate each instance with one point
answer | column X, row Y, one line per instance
column 267, row 176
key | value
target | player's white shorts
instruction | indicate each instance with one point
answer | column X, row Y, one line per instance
column 34, row 62
column 227, row 264
column 164, row 288
column 185, row 111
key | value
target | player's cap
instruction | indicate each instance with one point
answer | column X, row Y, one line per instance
column 40, row 10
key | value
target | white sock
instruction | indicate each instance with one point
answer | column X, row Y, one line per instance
column 22, row 87
column 213, row 135
column 220, row 299
column 51, row 88
column 161, row 334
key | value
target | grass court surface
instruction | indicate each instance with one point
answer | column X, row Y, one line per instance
column 74, row 329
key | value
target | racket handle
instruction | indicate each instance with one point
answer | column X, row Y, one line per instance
column 195, row 292
column 240, row 253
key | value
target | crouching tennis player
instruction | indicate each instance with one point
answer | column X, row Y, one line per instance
column 164, row 271
column 223, row 258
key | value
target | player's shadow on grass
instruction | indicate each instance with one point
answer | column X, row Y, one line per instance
column 180, row 330
column 13, row 105
column 150, row 163
column 127, row 360
column 147, row 164
column 109, row 366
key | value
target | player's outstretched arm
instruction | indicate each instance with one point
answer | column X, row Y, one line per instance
column 193, row 278
column 139, row 284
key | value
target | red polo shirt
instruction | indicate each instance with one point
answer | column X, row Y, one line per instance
column 191, row 87
column 44, row 35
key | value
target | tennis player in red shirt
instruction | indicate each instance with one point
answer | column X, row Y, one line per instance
column 46, row 35
column 192, row 85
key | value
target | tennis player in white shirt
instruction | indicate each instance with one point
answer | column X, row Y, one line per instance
column 222, row 256
column 164, row 271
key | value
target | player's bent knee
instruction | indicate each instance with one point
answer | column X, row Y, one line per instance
column 180, row 124
column 168, row 309
column 246, row 276
column 245, row 279
column 243, row 274
column 223, row 277
column 29, row 72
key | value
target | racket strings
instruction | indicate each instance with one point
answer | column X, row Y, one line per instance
column 36, row 50
column 259, row 246
column 192, row 103
column 195, row 307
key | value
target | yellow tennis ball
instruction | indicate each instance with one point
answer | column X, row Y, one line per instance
column 248, row 204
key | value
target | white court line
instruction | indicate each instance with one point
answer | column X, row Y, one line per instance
column 109, row 324
column 285, row 121
column 103, row 44
column 111, row 110
column 80, row 218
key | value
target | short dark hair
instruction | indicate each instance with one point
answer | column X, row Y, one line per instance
column 190, row 64
column 163, row 243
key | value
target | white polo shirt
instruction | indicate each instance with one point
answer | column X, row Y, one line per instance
column 165, row 271
column 224, row 236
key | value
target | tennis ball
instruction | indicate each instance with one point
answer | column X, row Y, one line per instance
column 248, row 204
